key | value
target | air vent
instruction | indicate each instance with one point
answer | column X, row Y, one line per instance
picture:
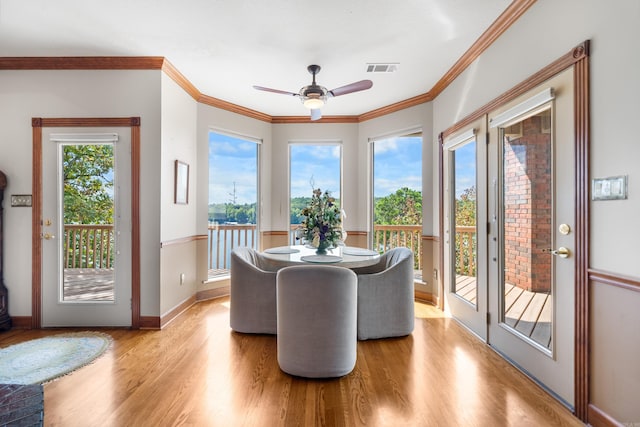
column 391, row 67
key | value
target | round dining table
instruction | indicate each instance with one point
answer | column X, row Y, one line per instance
column 342, row 256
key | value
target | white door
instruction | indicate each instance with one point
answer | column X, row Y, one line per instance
column 86, row 230
column 465, row 194
column 531, row 214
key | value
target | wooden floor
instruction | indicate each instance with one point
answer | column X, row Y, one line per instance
column 197, row 372
column 527, row 312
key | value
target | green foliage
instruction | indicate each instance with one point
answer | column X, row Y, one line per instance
column 229, row 212
column 466, row 207
column 297, row 205
column 404, row 207
column 88, row 184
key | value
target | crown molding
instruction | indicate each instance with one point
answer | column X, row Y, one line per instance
column 175, row 75
column 305, row 119
column 383, row 111
column 82, row 63
column 234, row 108
column 511, row 14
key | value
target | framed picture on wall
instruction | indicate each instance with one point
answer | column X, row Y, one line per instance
column 181, row 188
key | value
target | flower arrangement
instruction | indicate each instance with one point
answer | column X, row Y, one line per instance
column 322, row 223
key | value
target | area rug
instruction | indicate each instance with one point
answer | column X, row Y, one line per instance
column 44, row 359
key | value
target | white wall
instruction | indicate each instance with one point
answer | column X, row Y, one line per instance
column 27, row 94
column 179, row 117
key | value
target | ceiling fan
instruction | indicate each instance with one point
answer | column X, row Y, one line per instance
column 315, row 96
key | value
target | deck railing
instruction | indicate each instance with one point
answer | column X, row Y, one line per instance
column 91, row 246
column 88, row 246
column 223, row 238
column 387, row 237
column 466, row 250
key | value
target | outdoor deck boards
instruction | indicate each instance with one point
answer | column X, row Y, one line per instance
column 88, row 284
column 527, row 312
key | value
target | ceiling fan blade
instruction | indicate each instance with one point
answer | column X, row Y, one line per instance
column 350, row 88
column 283, row 92
column 316, row 114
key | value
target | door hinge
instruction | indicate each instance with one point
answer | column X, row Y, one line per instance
column 488, row 318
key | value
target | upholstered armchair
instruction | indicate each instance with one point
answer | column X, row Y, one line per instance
column 386, row 296
column 253, row 293
column 317, row 320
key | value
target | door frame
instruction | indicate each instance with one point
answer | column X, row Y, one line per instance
column 37, row 123
column 578, row 57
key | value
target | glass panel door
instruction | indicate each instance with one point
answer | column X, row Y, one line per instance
column 527, row 212
column 464, row 209
column 465, row 222
column 532, row 209
column 86, row 228
column 88, row 206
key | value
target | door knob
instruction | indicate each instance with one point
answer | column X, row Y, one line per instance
column 48, row 236
column 562, row 252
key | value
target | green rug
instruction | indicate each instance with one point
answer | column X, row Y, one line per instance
column 44, row 359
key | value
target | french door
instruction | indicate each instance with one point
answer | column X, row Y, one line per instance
column 465, row 219
column 509, row 212
column 532, row 210
column 86, row 228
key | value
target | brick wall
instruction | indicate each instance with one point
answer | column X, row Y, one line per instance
column 527, row 207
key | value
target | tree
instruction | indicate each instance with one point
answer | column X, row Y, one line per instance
column 404, row 207
column 466, row 207
column 88, row 184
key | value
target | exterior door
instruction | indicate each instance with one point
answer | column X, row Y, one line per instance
column 531, row 215
column 86, row 229
column 465, row 269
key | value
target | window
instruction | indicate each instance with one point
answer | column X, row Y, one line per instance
column 312, row 165
column 397, row 193
column 233, row 196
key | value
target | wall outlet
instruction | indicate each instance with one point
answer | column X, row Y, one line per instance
column 182, row 275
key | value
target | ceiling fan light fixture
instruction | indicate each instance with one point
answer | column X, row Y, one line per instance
column 314, row 101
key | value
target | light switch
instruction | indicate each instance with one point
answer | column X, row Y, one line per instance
column 18, row 200
column 611, row 188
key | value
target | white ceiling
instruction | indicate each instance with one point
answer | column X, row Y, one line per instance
column 223, row 47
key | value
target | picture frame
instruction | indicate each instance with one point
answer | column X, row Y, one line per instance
column 181, row 185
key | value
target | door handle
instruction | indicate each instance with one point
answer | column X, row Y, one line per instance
column 48, row 236
column 562, row 252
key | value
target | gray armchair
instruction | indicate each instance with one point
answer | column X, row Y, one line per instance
column 253, row 293
column 317, row 320
column 386, row 295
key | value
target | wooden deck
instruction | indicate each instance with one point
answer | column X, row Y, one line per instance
column 88, row 284
column 527, row 312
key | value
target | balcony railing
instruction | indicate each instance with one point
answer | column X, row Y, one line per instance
column 466, row 250
column 224, row 237
column 91, row 246
column 88, row 246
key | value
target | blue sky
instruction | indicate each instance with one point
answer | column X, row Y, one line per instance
column 398, row 163
column 465, row 167
column 235, row 161
column 315, row 166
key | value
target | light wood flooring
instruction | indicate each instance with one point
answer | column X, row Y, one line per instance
column 197, row 372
